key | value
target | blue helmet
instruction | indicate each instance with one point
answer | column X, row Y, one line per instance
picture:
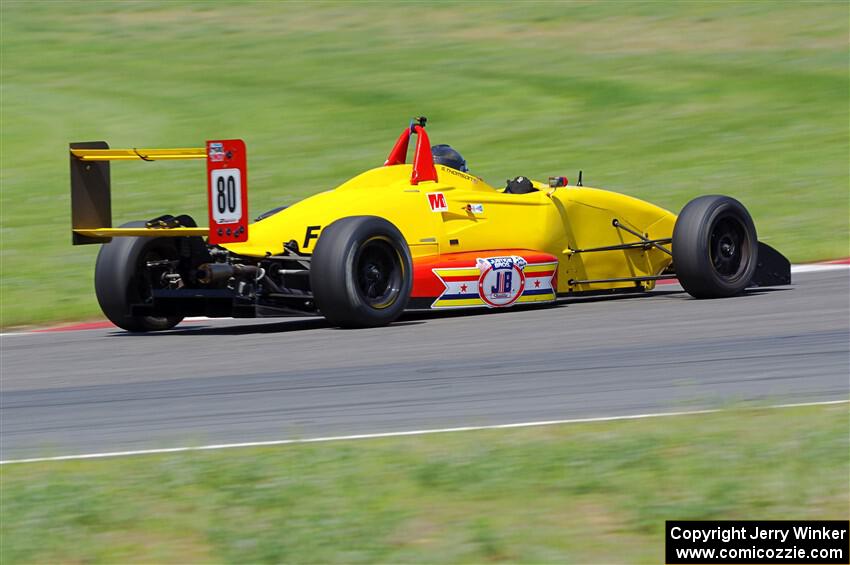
column 445, row 155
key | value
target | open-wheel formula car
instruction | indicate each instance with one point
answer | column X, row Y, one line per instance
column 426, row 235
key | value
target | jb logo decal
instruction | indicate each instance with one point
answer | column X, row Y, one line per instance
column 496, row 282
column 501, row 281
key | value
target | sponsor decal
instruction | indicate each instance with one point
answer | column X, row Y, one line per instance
column 497, row 282
column 311, row 233
column 501, row 281
column 464, row 176
column 475, row 208
column 437, row 202
column 216, row 152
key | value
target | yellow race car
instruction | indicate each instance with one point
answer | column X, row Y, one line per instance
column 420, row 235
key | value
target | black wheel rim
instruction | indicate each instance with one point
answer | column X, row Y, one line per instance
column 729, row 248
column 378, row 272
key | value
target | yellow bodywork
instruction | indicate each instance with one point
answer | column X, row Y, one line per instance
column 478, row 217
column 481, row 218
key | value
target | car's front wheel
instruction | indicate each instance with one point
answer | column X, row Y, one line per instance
column 361, row 272
column 715, row 249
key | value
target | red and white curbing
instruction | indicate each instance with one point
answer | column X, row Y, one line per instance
column 103, row 324
column 834, row 265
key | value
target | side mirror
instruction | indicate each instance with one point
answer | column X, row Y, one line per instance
column 556, row 182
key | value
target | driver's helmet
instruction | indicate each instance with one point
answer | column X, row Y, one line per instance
column 445, row 155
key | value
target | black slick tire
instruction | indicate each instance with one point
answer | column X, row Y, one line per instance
column 361, row 272
column 120, row 279
column 715, row 248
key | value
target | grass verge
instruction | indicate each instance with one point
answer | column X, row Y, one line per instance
column 595, row 492
column 661, row 101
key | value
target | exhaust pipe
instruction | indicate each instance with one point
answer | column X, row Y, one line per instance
column 209, row 273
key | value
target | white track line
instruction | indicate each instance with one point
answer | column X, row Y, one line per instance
column 405, row 433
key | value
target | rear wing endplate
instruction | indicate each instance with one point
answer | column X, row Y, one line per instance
column 91, row 199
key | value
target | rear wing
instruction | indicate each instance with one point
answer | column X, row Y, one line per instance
column 91, row 191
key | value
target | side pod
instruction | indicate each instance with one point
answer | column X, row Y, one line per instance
column 773, row 269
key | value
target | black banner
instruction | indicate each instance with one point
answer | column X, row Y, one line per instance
column 771, row 541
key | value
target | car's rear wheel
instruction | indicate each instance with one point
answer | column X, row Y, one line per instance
column 122, row 278
column 715, row 248
column 361, row 272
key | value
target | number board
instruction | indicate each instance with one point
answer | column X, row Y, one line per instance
column 227, row 191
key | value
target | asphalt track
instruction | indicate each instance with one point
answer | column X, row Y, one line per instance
column 259, row 380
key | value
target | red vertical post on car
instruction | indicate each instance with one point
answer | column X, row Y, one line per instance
column 398, row 155
column 227, row 191
column 423, row 161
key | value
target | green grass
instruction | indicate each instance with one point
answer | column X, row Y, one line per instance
column 664, row 101
column 578, row 493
